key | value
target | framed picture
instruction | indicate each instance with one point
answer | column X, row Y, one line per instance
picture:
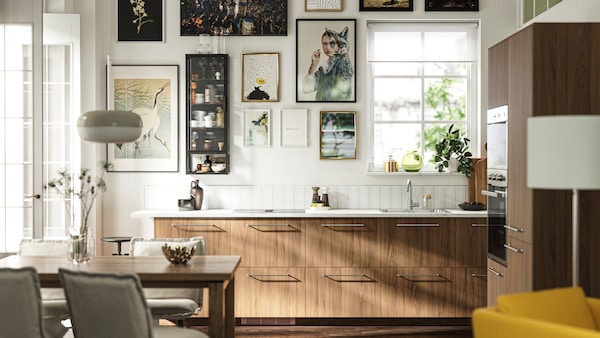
column 338, row 135
column 260, row 77
column 248, row 18
column 294, row 127
column 386, row 5
column 454, row 5
column 140, row 20
column 323, row 5
column 257, row 127
column 151, row 92
column 325, row 60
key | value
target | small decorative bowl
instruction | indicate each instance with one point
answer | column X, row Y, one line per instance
column 178, row 255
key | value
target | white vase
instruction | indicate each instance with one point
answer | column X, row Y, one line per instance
column 452, row 165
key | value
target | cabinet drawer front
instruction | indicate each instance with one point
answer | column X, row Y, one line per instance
column 217, row 232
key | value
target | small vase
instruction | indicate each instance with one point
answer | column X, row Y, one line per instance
column 81, row 246
column 412, row 161
column 453, row 165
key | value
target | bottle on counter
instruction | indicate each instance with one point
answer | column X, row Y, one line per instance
column 325, row 198
column 197, row 193
column 427, row 203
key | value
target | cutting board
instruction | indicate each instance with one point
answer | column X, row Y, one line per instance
column 478, row 181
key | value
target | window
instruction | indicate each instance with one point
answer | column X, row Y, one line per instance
column 424, row 78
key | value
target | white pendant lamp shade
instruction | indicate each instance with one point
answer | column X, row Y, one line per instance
column 109, row 126
column 563, row 152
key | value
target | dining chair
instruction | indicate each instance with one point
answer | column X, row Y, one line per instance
column 112, row 305
column 54, row 304
column 21, row 310
column 177, row 305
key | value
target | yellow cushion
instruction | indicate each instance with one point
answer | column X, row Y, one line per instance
column 562, row 305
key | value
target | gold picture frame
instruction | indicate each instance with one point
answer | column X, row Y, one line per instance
column 337, row 135
column 260, row 77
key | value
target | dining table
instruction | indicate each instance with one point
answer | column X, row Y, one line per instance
column 213, row 272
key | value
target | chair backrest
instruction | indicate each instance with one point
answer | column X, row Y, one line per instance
column 153, row 247
column 106, row 305
column 21, row 309
column 43, row 247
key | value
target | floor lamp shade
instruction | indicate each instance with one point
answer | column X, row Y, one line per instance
column 109, row 126
column 563, row 152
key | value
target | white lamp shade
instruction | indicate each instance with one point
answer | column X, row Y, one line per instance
column 109, row 126
column 563, row 152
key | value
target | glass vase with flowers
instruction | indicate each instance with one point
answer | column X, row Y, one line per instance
column 79, row 194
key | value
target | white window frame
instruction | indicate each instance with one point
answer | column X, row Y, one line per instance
column 474, row 92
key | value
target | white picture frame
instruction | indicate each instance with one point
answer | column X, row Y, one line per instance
column 257, row 127
column 294, row 127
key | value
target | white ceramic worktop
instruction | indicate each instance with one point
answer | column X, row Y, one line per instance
column 280, row 213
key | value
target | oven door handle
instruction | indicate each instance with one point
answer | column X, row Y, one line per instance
column 495, row 193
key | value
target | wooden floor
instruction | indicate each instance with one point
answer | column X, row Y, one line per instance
column 349, row 331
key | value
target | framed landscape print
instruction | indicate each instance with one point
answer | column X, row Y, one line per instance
column 451, row 5
column 386, row 5
column 338, row 135
column 323, row 5
column 326, row 60
column 257, row 127
column 248, row 18
column 260, row 77
column 152, row 93
column 140, row 20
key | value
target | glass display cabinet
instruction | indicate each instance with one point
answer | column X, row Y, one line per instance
column 207, row 117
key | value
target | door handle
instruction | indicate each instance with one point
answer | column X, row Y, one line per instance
column 36, row 196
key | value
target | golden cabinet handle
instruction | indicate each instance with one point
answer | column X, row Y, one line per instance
column 36, row 196
column 198, row 227
column 273, row 227
column 274, row 278
column 422, row 277
column 345, row 278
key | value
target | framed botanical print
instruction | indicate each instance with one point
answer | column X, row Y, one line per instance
column 152, row 93
column 326, row 60
column 338, row 135
column 454, row 5
column 140, row 20
column 323, row 5
column 257, row 127
column 245, row 18
column 386, row 5
column 260, row 77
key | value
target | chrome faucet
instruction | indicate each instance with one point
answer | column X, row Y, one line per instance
column 410, row 202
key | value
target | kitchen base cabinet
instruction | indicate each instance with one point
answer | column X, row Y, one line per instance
column 418, row 292
column 216, row 232
column 342, row 292
column 470, row 290
column 270, row 292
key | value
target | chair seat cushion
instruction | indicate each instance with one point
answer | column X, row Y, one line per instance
column 562, row 305
column 176, row 332
column 172, row 308
column 55, row 308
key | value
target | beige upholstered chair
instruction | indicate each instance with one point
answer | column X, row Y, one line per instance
column 112, row 305
column 54, row 304
column 21, row 310
column 173, row 304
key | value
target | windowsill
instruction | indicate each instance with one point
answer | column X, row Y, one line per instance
column 418, row 173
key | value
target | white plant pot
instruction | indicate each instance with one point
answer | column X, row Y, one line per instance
column 452, row 165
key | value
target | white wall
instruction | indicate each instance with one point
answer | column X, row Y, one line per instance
column 264, row 177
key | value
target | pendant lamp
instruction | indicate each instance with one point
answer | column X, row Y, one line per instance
column 109, row 126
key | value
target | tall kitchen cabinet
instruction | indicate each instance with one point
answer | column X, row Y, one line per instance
column 207, row 116
column 545, row 69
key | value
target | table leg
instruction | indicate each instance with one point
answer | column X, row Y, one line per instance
column 229, row 308
column 216, row 309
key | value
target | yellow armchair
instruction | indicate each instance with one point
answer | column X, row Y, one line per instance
column 562, row 312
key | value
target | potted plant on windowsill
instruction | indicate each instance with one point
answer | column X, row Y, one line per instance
column 453, row 147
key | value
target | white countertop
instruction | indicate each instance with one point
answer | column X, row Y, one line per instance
column 308, row 213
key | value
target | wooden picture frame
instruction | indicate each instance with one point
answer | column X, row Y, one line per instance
column 262, row 18
column 152, row 92
column 260, row 77
column 257, row 128
column 323, row 5
column 385, row 5
column 337, row 135
column 139, row 20
column 455, row 5
column 332, row 77
column 294, row 127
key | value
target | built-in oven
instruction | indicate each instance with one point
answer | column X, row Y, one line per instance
column 496, row 192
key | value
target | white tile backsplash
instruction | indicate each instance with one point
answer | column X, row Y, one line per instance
column 299, row 197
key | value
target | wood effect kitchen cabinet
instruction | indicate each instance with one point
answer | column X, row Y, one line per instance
column 216, row 232
column 498, row 75
column 551, row 71
column 471, row 290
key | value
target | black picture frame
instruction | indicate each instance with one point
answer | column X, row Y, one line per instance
column 314, row 87
column 452, row 5
column 243, row 18
column 140, row 20
column 385, row 5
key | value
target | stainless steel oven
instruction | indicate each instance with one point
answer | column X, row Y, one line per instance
column 496, row 192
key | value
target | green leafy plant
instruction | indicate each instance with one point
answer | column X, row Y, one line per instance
column 453, row 145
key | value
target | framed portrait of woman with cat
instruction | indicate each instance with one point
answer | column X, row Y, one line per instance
column 325, row 60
